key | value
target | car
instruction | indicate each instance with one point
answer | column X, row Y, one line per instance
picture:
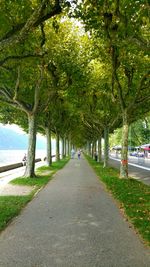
column 134, row 153
column 140, row 154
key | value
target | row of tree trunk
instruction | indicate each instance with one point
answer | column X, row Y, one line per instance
column 30, row 167
column 32, row 131
column 95, row 149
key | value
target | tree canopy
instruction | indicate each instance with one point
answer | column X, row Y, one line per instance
column 77, row 69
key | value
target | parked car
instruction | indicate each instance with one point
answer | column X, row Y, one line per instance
column 134, row 153
column 137, row 154
column 140, row 154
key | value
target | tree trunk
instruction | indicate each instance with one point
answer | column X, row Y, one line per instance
column 68, row 149
column 93, row 150
column 124, row 153
column 49, row 146
column 88, row 146
column 29, row 172
column 106, row 146
column 99, row 149
column 63, row 148
column 95, row 146
column 89, row 149
column 57, row 147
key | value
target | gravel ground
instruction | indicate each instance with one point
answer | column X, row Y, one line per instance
column 15, row 190
column 7, row 189
column 72, row 222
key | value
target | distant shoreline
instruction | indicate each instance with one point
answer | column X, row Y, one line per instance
column 12, row 156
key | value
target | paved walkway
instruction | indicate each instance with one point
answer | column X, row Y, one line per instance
column 72, row 222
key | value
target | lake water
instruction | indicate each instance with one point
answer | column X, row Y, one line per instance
column 13, row 156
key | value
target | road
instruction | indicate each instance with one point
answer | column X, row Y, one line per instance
column 139, row 168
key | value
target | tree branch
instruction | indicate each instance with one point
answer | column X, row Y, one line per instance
column 122, row 103
column 112, row 124
column 5, row 101
column 112, row 87
column 20, row 32
column 52, row 69
column 9, row 99
column 43, row 35
column 56, row 9
column 17, row 85
column 115, row 66
column 6, row 93
column 23, row 106
column 20, row 57
column 37, row 91
column 143, row 44
column 145, row 76
column 129, row 75
column 142, row 100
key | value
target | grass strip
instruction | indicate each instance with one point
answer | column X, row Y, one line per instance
column 10, row 206
column 43, row 175
column 133, row 196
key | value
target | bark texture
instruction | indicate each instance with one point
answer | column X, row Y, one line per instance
column 29, row 172
column 49, row 146
column 88, row 147
column 124, row 153
column 57, row 147
column 68, row 145
column 106, row 146
column 93, row 149
column 63, row 147
column 99, row 149
column 20, row 32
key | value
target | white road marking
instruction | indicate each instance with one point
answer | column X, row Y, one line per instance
column 132, row 164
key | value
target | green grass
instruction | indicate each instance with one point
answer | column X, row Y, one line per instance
column 55, row 166
column 38, row 181
column 10, row 206
column 44, row 174
column 133, row 196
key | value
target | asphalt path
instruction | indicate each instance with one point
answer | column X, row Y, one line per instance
column 72, row 222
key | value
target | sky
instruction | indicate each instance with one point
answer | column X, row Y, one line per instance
column 17, row 129
column 40, row 137
column 13, row 127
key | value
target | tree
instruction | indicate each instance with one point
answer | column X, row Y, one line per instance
column 25, row 96
column 139, row 133
column 124, row 29
column 19, row 20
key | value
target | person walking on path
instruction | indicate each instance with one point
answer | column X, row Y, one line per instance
column 79, row 154
column 72, row 222
column 72, row 153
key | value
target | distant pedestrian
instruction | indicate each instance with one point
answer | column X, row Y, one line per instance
column 72, row 153
column 79, row 154
column 24, row 159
